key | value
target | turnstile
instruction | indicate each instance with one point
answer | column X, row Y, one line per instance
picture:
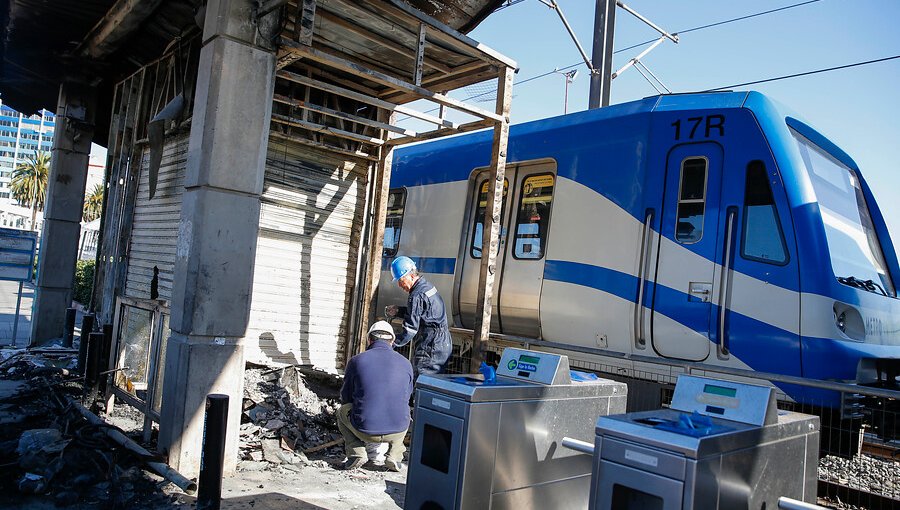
column 497, row 445
column 722, row 444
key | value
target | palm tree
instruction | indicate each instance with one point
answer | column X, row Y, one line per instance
column 29, row 182
column 93, row 203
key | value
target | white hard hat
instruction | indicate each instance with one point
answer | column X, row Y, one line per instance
column 382, row 331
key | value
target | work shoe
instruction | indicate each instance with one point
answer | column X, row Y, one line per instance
column 353, row 463
column 393, row 465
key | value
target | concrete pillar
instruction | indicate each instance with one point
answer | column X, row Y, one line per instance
column 62, row 210
column 217, row 232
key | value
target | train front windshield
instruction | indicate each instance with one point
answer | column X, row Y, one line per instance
column 852, row 242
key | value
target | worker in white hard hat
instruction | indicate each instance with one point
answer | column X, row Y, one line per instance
column 375, row 397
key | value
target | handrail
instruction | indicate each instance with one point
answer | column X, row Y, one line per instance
column 642, row 277
column 723, row 282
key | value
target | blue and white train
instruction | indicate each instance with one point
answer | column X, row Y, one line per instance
column 711, row 228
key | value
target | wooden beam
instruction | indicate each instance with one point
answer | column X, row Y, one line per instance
column 306, row 105
column 117, row 25
column 374, row 101
column 438, row 133
column 318, row 72
column 322, row 146
column 381, row 188
column 328, row 130
column 491, row 234
column 384, row 79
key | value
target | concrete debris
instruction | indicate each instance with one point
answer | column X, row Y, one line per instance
column 289, row 411
column 51, row 455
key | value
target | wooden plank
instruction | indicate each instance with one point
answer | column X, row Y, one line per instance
column 452, row 37
column 438, row 133
column 384, row 79
column 306, row 105
column 382, row 41
column 328, row 130
column 374, row 101
column 323, row 446
column 491, row 233
column 323, row 146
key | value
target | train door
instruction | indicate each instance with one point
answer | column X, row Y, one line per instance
column 470, row 257
column 681, row 317
column 528, row 196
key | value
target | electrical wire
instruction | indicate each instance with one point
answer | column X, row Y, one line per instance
column 807, row 73
column 694, row 29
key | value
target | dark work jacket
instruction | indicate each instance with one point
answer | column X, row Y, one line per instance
column 426, row 325
column 378, row 382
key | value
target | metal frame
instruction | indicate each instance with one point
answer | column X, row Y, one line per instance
column 320, row 50
column 158, row 309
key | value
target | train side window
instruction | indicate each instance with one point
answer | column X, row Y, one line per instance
column 691, row 200
column 762, row 238
column 533, row 217
column 475, row 249
column 394, row 221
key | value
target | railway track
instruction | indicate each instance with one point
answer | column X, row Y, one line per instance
column 834, row 495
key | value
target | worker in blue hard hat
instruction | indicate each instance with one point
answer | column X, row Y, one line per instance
column 425, row 320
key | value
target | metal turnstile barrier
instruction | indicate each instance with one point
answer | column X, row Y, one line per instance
column 481, row 444
column 722, row 444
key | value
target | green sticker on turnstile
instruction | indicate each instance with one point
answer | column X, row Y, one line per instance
column 512, row 364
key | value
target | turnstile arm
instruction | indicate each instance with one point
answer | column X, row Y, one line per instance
column 578, row 445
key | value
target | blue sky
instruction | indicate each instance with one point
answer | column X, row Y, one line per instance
column 858, row 108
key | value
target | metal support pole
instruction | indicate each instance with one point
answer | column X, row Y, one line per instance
column 87, row 327
column 212, row 460
column 602, row 53
column 15, row 339
column 69, row 331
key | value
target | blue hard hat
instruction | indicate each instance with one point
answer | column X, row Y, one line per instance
column 401, row 266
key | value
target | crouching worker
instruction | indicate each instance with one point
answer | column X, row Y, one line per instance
column 375, row 396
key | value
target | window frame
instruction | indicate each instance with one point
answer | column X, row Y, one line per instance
column 475, row 215
column 784, row 246
column 678, row 200
column 392, row 252
column 515, row 228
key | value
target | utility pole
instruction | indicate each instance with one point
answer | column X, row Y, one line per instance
column 570, row 77
column 602, row 54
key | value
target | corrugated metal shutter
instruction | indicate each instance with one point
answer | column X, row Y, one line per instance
column 154, row 232
column 311, row 216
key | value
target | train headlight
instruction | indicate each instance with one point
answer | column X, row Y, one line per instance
column 842, row 322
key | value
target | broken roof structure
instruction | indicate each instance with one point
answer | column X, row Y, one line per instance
column 249, row 154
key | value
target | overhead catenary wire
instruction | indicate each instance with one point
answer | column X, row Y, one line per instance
column 633, row 46
column 805, row 73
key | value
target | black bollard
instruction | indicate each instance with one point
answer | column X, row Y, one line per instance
column 103, row 362
column 69, row 331
column 212, row 459
column 95, row 345
column 87, row 327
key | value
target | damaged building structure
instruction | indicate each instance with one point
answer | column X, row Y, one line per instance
column 249, row 154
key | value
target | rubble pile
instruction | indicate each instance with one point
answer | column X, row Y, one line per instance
column 288, row 417
column 49, row 452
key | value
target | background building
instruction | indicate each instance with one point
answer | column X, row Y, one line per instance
column 20, row 137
